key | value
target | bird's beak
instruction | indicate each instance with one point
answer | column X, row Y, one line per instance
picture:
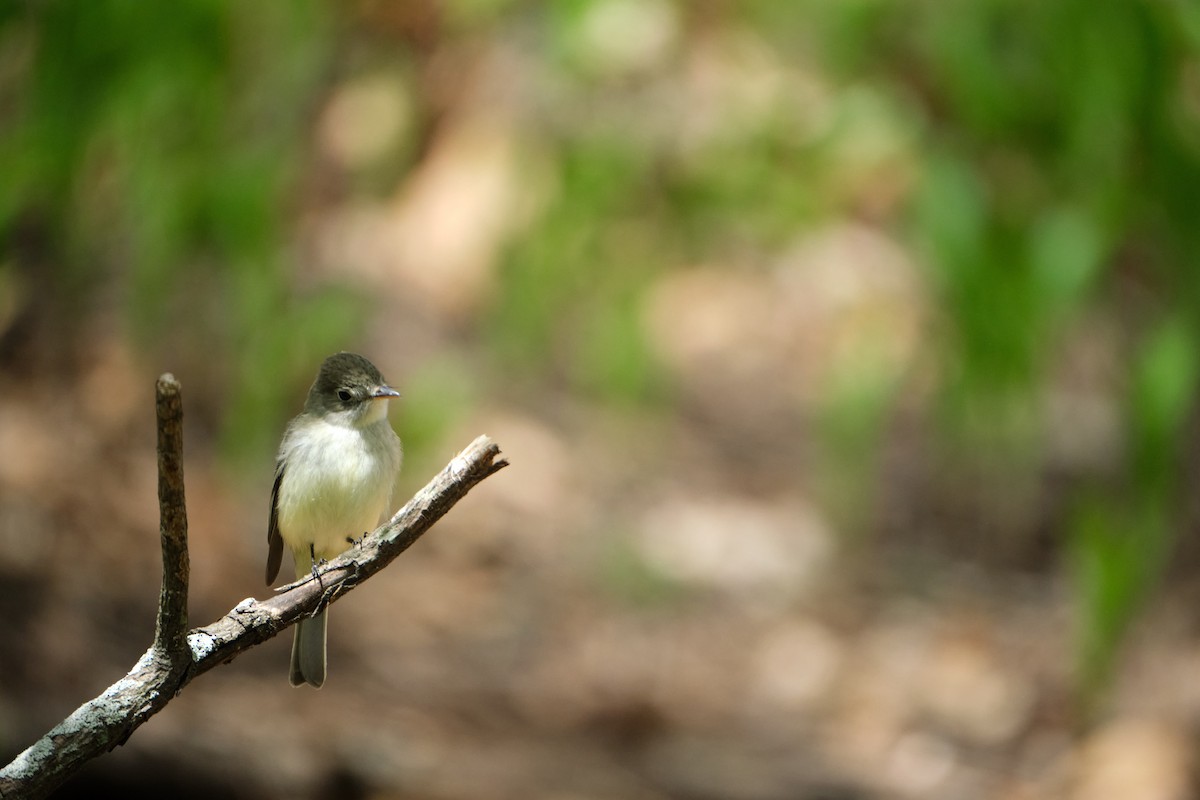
column 384, row 392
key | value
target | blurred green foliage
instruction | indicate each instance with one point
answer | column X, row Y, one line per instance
column 1122, row 540
column 153, row 147
column 571, row 286
column 1062, row 171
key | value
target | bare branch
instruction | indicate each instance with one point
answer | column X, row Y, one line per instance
column 107, row 721
column 170, row 632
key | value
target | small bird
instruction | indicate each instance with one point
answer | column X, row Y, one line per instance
column 334, row 475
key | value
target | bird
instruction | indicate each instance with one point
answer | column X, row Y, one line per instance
column 334, row 474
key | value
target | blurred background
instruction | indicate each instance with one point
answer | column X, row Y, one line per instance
column 845, row 355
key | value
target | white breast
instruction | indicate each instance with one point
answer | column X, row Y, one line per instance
column 337, row 482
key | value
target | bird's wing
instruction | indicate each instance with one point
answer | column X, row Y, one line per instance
column 274, row 540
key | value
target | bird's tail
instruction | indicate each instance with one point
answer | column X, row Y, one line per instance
column 308, row 652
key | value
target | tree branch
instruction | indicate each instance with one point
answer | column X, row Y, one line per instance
column 174, row 660
column 170, row 633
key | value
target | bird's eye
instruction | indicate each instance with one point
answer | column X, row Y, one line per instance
column 344, row 395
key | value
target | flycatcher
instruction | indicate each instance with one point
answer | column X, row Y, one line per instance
column 333, row 481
